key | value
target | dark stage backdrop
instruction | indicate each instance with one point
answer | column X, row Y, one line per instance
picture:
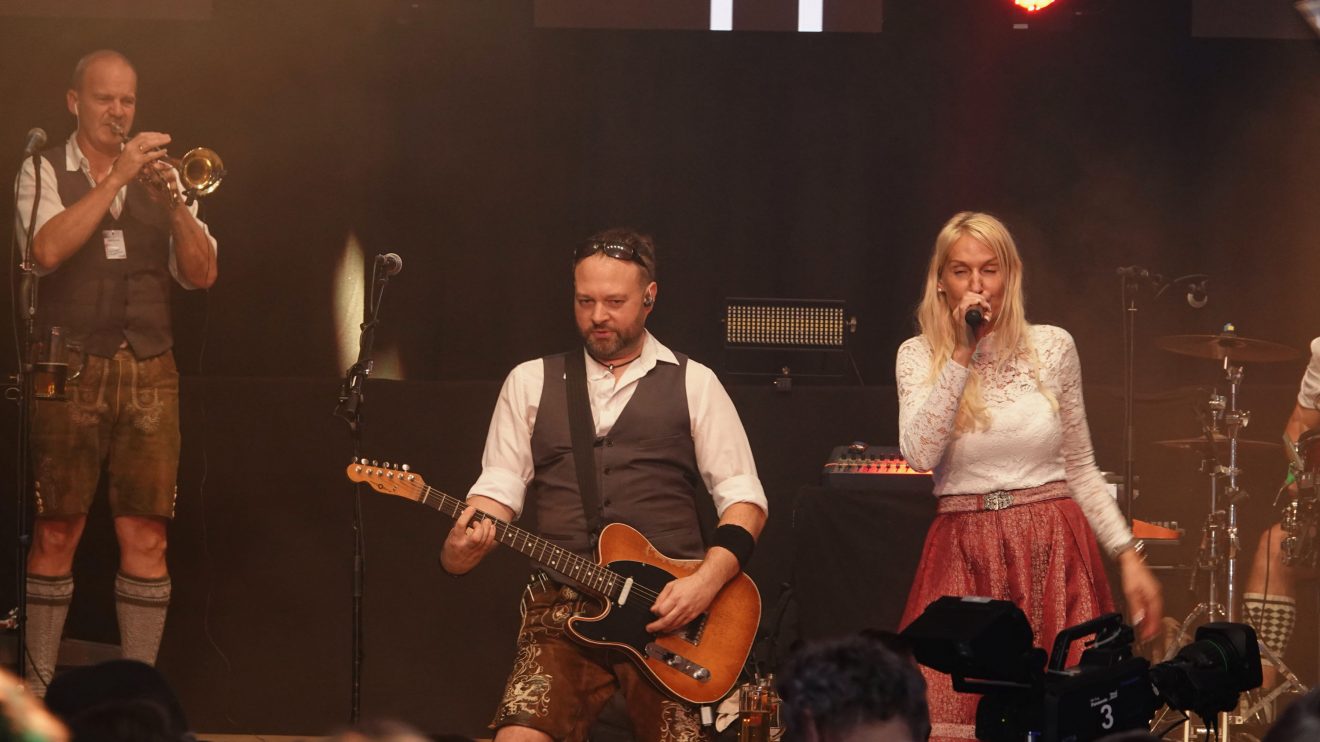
column 482, row 149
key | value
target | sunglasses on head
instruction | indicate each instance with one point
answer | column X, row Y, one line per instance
column 616, row 250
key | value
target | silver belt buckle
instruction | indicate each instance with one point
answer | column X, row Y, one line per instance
column 997, row 500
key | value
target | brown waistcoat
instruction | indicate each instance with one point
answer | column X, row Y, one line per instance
column 646, row 466
column 101, row 302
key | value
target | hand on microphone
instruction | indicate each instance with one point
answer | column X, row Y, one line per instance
column 972, row 313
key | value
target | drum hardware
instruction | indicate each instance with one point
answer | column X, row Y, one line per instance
column 1222, row 422
column 1299, row 521
column 1227, row 346
column 1219, row 443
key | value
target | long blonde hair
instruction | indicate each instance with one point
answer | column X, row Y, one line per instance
column 1011, row 329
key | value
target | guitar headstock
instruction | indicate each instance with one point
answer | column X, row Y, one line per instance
column 388, row 479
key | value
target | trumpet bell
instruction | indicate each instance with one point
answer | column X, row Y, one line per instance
column 200, row 171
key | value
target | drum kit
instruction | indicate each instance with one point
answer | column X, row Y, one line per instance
column 1220, row 447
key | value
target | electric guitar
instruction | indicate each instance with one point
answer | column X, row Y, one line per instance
column 699, row 663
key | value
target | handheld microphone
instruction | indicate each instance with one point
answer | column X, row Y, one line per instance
column 974, row 317
column 391, row 262
column 36, row 139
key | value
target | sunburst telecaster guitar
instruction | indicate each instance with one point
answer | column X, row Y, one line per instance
column 699, row 664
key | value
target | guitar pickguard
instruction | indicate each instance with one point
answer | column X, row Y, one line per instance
column 626, row 624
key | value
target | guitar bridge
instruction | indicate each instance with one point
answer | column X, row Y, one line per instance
column 678, row 662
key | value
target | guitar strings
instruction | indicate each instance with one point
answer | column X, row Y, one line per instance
column 454, row 507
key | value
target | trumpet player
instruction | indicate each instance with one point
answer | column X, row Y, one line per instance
column 107, row 245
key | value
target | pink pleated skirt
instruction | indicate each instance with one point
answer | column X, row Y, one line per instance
column 1042, row 556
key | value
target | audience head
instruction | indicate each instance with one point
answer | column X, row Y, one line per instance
column 118, row 700
column 853, row 689
column 1301, row 721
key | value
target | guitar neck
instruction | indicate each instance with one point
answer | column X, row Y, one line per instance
column 595, row 578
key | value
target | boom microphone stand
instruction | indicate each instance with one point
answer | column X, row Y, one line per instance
column 20, row 391
column 1131, row 279
column 350, row 409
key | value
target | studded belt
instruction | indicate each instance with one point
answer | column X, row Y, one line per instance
column 1000, row 499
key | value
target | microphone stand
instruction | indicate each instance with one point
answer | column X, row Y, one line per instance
column 1129, row 280
column 21, row 392
column 349, row 408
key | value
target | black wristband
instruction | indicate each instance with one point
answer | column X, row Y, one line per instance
column 737, row 540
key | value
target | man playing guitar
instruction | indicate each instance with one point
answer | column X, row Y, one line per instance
column 662, row 424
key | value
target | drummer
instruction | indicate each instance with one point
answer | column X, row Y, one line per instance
column 1269, row 596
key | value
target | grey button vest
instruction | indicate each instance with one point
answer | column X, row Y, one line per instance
column 646, row 466
column 101, row 302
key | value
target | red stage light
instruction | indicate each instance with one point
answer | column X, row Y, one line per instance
column 1032, row 6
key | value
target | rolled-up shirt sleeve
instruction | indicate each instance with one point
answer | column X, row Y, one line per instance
column 724, row 456
column 506, row 462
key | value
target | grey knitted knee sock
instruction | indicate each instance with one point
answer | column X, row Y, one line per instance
column 48, row 601
column 140, row 603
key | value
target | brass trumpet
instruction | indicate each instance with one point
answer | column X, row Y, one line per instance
column 200, row 171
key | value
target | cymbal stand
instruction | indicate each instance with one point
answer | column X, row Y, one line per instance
column 1234, row 421
column 1219, row 541
column 1210, row 556
column 1219, row 534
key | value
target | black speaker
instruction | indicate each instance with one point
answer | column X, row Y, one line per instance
column 854, row 555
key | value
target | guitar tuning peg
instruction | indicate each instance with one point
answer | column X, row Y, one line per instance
column 405, row 468
column 374, row 463
column 386, row 465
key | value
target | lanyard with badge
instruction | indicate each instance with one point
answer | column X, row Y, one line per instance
column 115, row 249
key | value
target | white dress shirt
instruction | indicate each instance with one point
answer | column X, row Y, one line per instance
column 724, row 456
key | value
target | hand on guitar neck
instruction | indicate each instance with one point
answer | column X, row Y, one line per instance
column 470, row 540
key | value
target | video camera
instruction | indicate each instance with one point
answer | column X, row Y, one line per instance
column 986, row 646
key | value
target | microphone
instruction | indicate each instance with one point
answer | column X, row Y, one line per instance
column 974, row 317
column 36, row 139
column 391, row 262
column 1196, row 296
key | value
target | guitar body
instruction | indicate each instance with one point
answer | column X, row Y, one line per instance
column 699, row 664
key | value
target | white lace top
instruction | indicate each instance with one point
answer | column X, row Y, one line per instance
column 1026, row 443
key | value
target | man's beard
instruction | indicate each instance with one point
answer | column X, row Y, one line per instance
column 610, row 348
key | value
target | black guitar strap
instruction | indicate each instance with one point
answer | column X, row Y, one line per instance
column 583, row 430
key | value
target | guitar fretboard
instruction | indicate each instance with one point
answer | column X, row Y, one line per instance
column 589, row 574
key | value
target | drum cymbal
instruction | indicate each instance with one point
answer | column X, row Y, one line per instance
column 1200, row 443
column 1227, row 345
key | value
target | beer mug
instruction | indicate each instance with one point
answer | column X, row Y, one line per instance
column 50, row 374
column 758, row 711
